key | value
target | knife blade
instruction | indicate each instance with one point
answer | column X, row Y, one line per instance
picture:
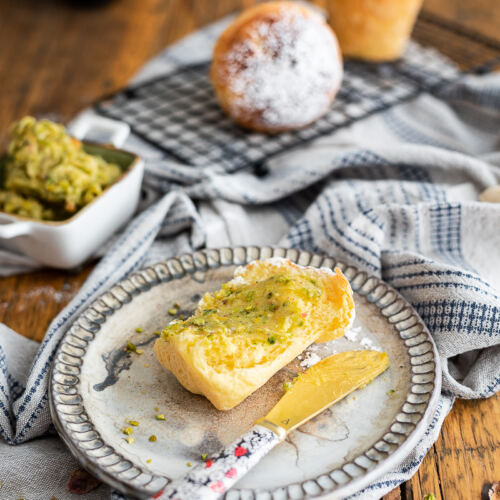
column 323, row 385
column 312, row 392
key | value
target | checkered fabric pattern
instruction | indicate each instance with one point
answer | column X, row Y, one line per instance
column 395, row 194
column 179, row 114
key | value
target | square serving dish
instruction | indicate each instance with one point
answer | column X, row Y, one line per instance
column 68, row 243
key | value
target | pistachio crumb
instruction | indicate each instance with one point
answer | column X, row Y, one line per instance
column 181, row 316
column 176, row 305
column 287, row 386
column 133, row 422
column 160, row 416
column 128, row 430
column 173, row 311
column 131, row 347
column 152, row 438
column 139, row 351
column 129, row 439
column 157, row 332
column 157, row 409
column 203, row 456
column 138, row 329
column 189, row 464
column 148, row 461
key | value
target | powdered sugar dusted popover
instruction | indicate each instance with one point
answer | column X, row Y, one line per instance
column 277, row 67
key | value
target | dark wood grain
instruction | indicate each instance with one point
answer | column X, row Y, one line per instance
column 57, row 57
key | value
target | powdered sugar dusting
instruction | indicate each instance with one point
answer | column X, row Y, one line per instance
column 352, row 334
column 287, row 73
column 368, row 344
column 238, row 279
column 310, row 359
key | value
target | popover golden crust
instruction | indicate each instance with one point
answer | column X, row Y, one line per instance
column 242, row 334
column 277, row 67
column 374, row 30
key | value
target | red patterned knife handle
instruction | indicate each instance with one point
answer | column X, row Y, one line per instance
column 211, row 479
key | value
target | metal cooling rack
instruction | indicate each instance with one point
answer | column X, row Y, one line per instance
column 178, row 112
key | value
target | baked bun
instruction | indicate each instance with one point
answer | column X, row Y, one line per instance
column 373, row 30
column 242, row 334
column 277, row 67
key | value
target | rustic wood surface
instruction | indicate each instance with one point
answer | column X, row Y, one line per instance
column 59, row 56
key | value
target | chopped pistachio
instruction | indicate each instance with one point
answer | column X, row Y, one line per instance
column 139, row 351
column 429, row 496
column 203, row 456
column 129, row 439
column 287, row 386
column 138, row 329
column 181, row 316
column 390, row 392
column 173, row 311
column 133, row 422
column 271, row 340
column 148, row 461
column 198, row 321
column 131, row 347
column 160, row 416
column 152, row 438
column 189, row 464
column 157, row 332
column 128, row 430
column 157, row 409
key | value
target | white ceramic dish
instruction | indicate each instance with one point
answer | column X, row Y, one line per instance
column 96, row 387
column 68, row 243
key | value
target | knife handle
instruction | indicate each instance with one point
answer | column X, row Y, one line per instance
column 212, row 478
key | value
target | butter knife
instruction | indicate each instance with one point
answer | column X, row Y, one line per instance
column 321, row 386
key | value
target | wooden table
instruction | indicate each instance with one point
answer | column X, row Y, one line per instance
column 58, row 56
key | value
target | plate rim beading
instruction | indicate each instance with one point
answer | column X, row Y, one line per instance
column 78, row 432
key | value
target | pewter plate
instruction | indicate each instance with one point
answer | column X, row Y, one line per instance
column 96, row 387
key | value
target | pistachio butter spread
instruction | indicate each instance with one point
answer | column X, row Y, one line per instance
column 243, row 333
column 268, row 311
column 47, row 174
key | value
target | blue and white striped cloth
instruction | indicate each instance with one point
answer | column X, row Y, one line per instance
column 395, row 194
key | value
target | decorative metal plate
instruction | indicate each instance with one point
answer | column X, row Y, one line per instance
column 96, row 387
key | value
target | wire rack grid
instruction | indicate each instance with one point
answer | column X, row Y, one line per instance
column 178, row 112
